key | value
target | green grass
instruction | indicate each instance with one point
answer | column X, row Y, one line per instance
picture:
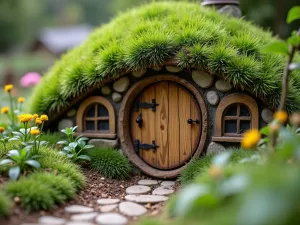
column 5, row 205
column 110, row 163
column 151, row 34
column 52, row 138
column 198, row 166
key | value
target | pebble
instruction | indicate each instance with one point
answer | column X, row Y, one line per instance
column 132, row 209
column 138, row 189
column 111, row 219
column 144, row 199
column 84, row 216
column 167, row 183
column 107, row 201
column 108, row 208
column 163, row 191
column 78, row 209
column 51, row 220
column 148, row 182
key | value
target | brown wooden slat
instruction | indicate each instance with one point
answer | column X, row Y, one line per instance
column 148, row 129
column 136, row 131
column 161, row 124
column 97, row 118
column 196, row 128
column 184, row 127
column 173, row 130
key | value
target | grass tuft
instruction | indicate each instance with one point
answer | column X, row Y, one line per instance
column 5, row 205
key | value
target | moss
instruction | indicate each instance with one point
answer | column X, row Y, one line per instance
column 5, row 205
column 159, row 31
column 110, row 163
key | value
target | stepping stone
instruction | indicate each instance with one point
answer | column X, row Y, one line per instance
column 51, row 220
column 84, row 216
column 111, row 219
column 132, row 209
column 163, row 191
column 107, row 201
column 148, row 182
column 78, row 209
column 79, row 223
column 108, row 208
column 138, row 190
column 144, row 199
column 167, row 183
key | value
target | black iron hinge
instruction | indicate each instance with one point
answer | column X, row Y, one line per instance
column 138, row 146
column 146, row 105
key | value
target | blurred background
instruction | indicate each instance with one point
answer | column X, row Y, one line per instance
column 34, row 33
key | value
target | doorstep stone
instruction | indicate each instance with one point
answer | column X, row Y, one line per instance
column 108, row 208
column 138, row 189
column 147, row 182
column 78, row 209
column 51, row 220
column 104, row 143
column 163, row 191
column 145, row 199
column 108, row 201
column 132, row 209
column 111, row 219
column 79, row 223
column 167, row 183
column 84, row 216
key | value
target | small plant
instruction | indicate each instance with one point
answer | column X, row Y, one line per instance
column 110, row 163
column 3, row 139
column 19, row 161
column 5, row 205
column 74, row 147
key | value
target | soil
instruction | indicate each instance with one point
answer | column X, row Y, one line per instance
column 96, row 187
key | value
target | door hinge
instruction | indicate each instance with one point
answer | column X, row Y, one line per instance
column 138, row 146
column 146, row 105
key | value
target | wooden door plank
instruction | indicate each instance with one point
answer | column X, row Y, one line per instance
column 148, row 129
column 161, row 124
column 136, row 131
column 184, row 127
column 173, row 130
column 196, row 128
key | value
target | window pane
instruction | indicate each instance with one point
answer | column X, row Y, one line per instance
column 231, row 110
column 244, row 111
column 102, row 111
column 245, row 125
column 230, row 127
column 90, row 125
column 103, row 125
column 91, row 111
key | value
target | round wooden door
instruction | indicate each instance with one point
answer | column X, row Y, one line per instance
column 165, row 125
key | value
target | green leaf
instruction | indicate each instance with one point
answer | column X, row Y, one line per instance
column 5, row 161
column 277, row 47
column 14, row 153
column 265, row 130
column 89, row 146
column 23, row 153
column 74, row 128
column 234, row 185
column 33, row 163
column 294, row 66
column 294, row 14
column 62, row 143
column 14, row 172
column 221, row 159
column 73, row 145
column 84, row 157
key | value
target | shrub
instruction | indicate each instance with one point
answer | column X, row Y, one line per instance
column 5, row 205
column 110, row 163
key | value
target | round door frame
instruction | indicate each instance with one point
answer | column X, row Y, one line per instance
column 124, row 123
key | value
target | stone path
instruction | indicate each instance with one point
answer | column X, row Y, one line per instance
column 138, row 200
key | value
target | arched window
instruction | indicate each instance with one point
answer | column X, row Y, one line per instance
column 236, row 114
column 96, row 118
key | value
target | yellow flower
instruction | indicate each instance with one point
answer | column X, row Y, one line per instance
column 4, row 110
column 38, row 121
column 2, row 129
column 44, row 117
column 8, row 88
column 21, row 99
column 25, row 118
column 35, row 132
column 251, row 138
column 281, row 116
column 35, row 116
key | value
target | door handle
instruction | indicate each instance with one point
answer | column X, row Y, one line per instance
column 139, row 120
column 191, row 121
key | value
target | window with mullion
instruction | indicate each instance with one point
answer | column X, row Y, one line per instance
column 96, row 119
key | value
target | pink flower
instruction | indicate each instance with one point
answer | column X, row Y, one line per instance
column 30, row 79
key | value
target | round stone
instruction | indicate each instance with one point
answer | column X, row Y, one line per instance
column 167, row 183
column 138, row 189
column 147, row 182
column 139, row 73
column 71, row 113
column 215, row 148
column 78, row 209
column 116, row 97
column 108, row 201
column 122, row 84
column 223, row 86
column 157, row 68
column 267, row 115
column 65, row 123
column 105, row 90
column 84, row 216
column 132, row 209
column 51, row 220
column 144, row 199
column 111, row 219
column 173, row 69
column 108, row 208
column 163, row 191
column 212, row 97
column 77, row 223
column 202, row 78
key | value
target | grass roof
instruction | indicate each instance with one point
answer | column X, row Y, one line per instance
column 196, row 37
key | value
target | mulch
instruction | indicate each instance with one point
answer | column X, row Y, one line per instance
column 96, row 187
